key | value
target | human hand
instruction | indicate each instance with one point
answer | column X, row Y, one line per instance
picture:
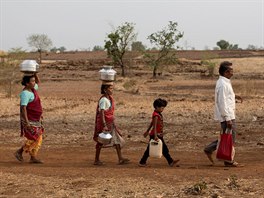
column 28, row 126
column 156, row 138
column 41, row 119
column 105, row 128
column 145, row 134
column 229, row 124
column 239, row 98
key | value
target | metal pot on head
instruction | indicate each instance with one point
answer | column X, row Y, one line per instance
column 29, row 66
column 107, row 73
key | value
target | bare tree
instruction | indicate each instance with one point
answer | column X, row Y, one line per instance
column 41, row 42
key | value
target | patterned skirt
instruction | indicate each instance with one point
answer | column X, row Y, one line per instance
column 33, row 137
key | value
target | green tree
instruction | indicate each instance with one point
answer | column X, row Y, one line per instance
column 164, row 42
column 41, row 42
column 54, row 49
column 119, row 42
column 252, row 47
column 233, row 47
column 222, row 44
column 62, row 49
column 138, row 46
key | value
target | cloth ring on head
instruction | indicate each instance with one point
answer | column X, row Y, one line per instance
column 107, row 82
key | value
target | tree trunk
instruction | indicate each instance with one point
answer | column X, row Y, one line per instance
column 122, row 67
column 40, row 56
column 123, row 70
column 154, row 71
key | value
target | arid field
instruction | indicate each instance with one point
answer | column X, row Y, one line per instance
column 69, row 98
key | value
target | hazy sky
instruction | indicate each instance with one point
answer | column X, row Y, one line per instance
column 82, row 24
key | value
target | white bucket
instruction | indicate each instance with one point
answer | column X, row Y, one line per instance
column 155, row 148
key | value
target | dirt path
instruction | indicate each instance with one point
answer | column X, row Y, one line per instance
column 68, row 172
column 68, row 149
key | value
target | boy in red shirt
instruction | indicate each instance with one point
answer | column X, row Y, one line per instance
column 157, row 133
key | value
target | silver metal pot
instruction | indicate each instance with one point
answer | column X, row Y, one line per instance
column 107, row 77
column 104, row 138
column 107, row 73
column 29, row 66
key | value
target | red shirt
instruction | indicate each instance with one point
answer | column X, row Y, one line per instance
column 159, row 127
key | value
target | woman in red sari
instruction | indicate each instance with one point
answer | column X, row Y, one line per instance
column 104, row 121
column 30, row 119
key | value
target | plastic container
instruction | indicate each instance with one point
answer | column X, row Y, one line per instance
column 107, row 73
column 155, row 148
column 29, row 66
column 104, row 138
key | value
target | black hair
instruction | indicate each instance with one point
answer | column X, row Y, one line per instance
column 160, row 103
column 104, row 87
column 224, row 66
column 26, row 79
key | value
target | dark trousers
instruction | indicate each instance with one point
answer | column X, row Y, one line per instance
column 165, row 152
column 210, row 148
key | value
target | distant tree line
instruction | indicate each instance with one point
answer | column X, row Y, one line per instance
column 123, row 39
column 58, row 49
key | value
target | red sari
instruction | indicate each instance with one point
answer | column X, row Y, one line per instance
column 34, row 112
column 109, row 119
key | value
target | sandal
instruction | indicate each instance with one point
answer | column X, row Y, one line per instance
column 173, row 163
column 234, row 164
column 209, row 155
column 35, row 161
column 98, row 163
column 18, row 156
column 123, row 161
column 142, row 165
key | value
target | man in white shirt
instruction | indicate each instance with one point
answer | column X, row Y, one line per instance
column 225, row 101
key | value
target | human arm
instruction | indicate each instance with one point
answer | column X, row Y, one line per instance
column 103, row 106
column 105, row 128
column 155, row 121
column 24, row 100
column 223, row 106
column 37, row 80
column 24, row 115
column 147, row 131
column 41, row 119
column 221, row 102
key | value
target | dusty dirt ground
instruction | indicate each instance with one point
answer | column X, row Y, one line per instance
column 69, row 100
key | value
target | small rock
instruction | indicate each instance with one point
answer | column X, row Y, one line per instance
column 215, row 195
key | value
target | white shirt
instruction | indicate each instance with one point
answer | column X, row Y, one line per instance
column 225, row 102
column 104, row 103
